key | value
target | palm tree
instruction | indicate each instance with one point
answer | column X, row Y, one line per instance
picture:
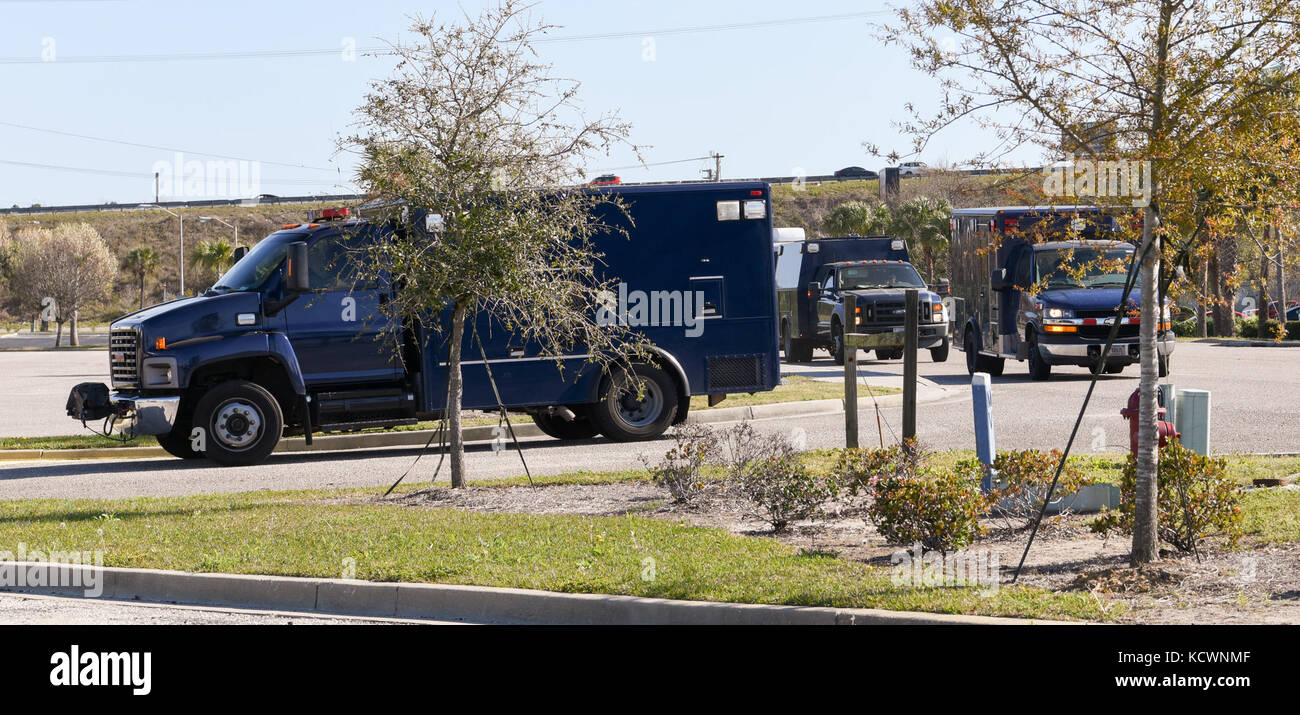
column 923, row 223
column 212, row 257
column 141, row 262
column 857, row 218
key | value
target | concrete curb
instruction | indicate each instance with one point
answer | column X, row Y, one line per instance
column 476, row 604
column 1230, row 343
column 478, row 434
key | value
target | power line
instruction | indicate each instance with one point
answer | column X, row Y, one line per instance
column 381, row 50
column 145, row 175
column 159, row 148
column 657, row 163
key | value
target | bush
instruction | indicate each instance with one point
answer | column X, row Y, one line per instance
column 1195, row 499
column 682, row 469
column 859, row 470
column 1023, row 479
column 1186, row 328
column 938, row 509
column 1249, row 328
column 765, row 470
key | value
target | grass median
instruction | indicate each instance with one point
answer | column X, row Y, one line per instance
column 310, row 534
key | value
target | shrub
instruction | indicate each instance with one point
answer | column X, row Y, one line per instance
column 1185, row 328
column 681, row 469
column 859, row 470
column 1023, row 479
column 1249, row 328
column 938, row 509
column 1195, row 499
column 765, row 470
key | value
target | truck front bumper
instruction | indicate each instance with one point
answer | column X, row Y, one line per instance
column 1123, row 352
column 132, row 414
column 928, row 335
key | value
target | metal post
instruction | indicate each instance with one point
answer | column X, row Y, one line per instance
column 850, row 375
column 182, row 220
column 985, row 446
column 909, row 365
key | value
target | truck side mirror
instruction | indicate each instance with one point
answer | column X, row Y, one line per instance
column 296, row 277
column 240, row 253
column 998, row 281
column 814, row 289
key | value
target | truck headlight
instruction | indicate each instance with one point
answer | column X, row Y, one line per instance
column 1060, row 313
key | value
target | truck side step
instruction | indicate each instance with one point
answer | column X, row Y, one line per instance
column 364, row 401
column 369, row 424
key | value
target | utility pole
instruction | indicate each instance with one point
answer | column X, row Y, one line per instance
column 717, row 165
column 155, row 187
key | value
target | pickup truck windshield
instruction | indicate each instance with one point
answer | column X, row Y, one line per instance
column 254, row 268
column 1082, row 267
column 880, row 275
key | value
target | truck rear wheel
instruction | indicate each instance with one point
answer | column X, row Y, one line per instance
column 623, row 416
column 177, row 442
column 242, row 423
column 556, row 426
column 796, row 350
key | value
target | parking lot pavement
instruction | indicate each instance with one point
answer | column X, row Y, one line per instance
column 34, row 388
column 26, row 609
column 28, row 339
column 1254, row 409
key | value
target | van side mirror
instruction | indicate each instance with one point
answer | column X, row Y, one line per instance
column 998, row 280
column 296, row 276
column 240, row 253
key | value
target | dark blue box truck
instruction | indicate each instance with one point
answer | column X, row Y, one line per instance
column 814, row 275
column 1043, row 284
column 281, row 345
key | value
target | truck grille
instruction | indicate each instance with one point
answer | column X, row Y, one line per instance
column 124, row 357
column 884, row 313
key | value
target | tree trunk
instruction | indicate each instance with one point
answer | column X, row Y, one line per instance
column 1201, row 327
column 1225, row 258
column 1145, row 545
column 1261, row 315
column 1281, row 279
column 455, row 390
column 72, row 329
column 141, row 290
column 58, row 332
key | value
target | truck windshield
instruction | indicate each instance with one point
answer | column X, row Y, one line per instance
column 880, row 275
column 1082, row 266
column 254, row 268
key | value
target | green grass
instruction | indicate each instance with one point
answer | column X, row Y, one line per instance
column 298, row 534
column 1271, row 515
column 793, row 388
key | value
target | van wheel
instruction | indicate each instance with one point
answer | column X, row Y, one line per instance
column 940, row 354
column 623, row 416
column 1039, row 369
column 177, row 442
column 837, row 343
column 556, row 426
column 242, row 423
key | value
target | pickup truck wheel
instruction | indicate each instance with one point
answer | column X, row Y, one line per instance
column 1039, row 369
column 837, row 343
column 1162, row 365
column 242, row 421
column 623, row 416
column 177, row 442
column 940, row 354
column 556, row 426
column 972, row 357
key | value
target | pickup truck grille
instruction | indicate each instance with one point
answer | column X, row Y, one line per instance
column 884, row 313
column 124, row 357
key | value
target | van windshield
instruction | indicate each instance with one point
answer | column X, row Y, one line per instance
column 254, row 268
column 1082, row 267
column 880, row 275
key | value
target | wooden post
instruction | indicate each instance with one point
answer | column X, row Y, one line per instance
column 909, row 365
column 850, row 374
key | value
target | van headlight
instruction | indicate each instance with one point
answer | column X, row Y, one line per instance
column 1059, row 313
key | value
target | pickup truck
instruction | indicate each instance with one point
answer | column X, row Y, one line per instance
column 813, row 276
column 282, row 344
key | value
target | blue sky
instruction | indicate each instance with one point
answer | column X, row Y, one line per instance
column 774, row 100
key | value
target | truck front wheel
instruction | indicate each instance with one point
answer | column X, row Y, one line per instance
column 1039, row 369
column 177, row 442
column 837, row 343
column 940, row 354
column 626, row 414
column 242, row 423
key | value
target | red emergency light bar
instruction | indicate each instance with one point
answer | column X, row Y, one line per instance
column 328, row 214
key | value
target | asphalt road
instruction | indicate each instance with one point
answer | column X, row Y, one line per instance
column 1254, row 409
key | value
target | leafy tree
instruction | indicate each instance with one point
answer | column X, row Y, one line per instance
column 923, row 223
column 1153, row 81
column 857, row 218
column 470, row 125
column 212, row 258
column 141, row 262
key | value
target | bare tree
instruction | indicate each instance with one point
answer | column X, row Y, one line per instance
column 471, row 126
column 1154, row 81
column 70, row 265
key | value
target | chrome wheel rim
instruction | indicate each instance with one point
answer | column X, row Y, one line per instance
column 237, row 424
